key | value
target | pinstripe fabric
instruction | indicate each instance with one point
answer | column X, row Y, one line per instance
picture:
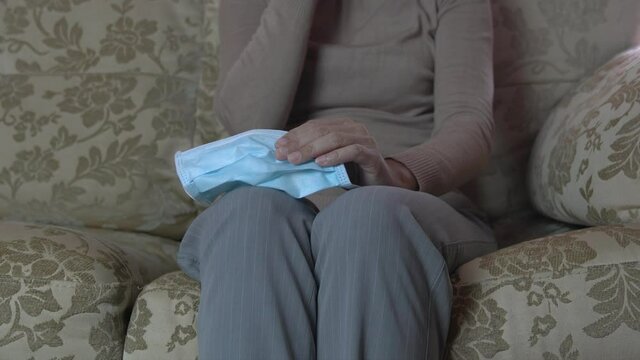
column 367, row 277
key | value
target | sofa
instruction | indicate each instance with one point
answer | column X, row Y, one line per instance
column 96, row 96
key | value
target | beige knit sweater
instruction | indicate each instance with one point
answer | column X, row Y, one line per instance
column 417, row 73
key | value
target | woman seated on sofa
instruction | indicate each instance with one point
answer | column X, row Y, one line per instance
column 400, row 89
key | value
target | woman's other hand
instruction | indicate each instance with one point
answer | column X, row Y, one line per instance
column 334, row 141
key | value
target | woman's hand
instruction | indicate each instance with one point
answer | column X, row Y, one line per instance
column 334, row 141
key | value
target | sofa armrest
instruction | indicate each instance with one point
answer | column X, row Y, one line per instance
column 567, row 296
column 163, row 322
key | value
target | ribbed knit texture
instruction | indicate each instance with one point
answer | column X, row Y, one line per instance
column 417, row 73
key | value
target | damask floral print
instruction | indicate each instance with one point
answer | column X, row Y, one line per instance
column 566, row 351
column 98, row 97
column 41, row 254
column 562, row 155
column 535, row 283
column 594, row 142
column 177, row 292
column 35, row 165
column 126, row 37
column 13, row 89
column 113, row 107
column 16, row 20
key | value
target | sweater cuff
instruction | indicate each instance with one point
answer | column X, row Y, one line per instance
column 427, row 167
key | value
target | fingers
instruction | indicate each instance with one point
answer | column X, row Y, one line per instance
column 327, row 143
column 302, row 136
column 364, row 156
column 312, row 130
column 333, row 142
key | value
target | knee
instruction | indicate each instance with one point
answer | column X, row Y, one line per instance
column 372, row 227
column 362, row 216
column 366, row 206
column 249, row 203
column 245, row 209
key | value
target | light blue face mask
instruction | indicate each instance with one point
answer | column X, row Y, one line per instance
column 249, row 159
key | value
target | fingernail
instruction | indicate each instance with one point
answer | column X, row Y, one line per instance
column 325, row 159
column 296, row 156
column 281, row 142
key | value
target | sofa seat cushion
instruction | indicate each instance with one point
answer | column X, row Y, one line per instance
column 68, row 291
column 566, row 296
column 163, row 321
column 570, row 293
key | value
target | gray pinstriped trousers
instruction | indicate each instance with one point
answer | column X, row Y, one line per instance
column 365, row 278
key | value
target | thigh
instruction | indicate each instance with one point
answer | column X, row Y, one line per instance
column 451, row 222
column 245, row 217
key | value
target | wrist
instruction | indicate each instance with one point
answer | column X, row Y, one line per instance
column 401, row 176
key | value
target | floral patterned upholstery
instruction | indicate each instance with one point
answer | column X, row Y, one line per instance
column 590, row 147
column 163, row 323
column 96, row 96
column 542, row 49
column 567, row 296
column 67, row 292
column 92, row 109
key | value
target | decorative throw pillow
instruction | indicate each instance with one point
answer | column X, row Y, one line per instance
column 542, row 48
column 585, row 165
column 95, row 98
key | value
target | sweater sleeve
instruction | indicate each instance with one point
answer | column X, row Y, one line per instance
column 463, row 93
column 263, row 44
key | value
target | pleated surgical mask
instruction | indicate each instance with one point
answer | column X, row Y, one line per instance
column 249, row 158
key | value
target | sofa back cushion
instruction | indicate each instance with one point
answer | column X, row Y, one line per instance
column 95, row 98
column 542, row 49
column 585, row 165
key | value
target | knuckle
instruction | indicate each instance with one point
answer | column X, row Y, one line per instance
column 356, row 127
column 335, row 140
column 322, row 131
column 308, row 150
column 371, row 141
column 291, row 137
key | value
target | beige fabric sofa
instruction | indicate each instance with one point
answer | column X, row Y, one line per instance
column 97, row 95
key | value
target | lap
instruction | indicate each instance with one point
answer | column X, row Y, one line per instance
column 451, row 222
